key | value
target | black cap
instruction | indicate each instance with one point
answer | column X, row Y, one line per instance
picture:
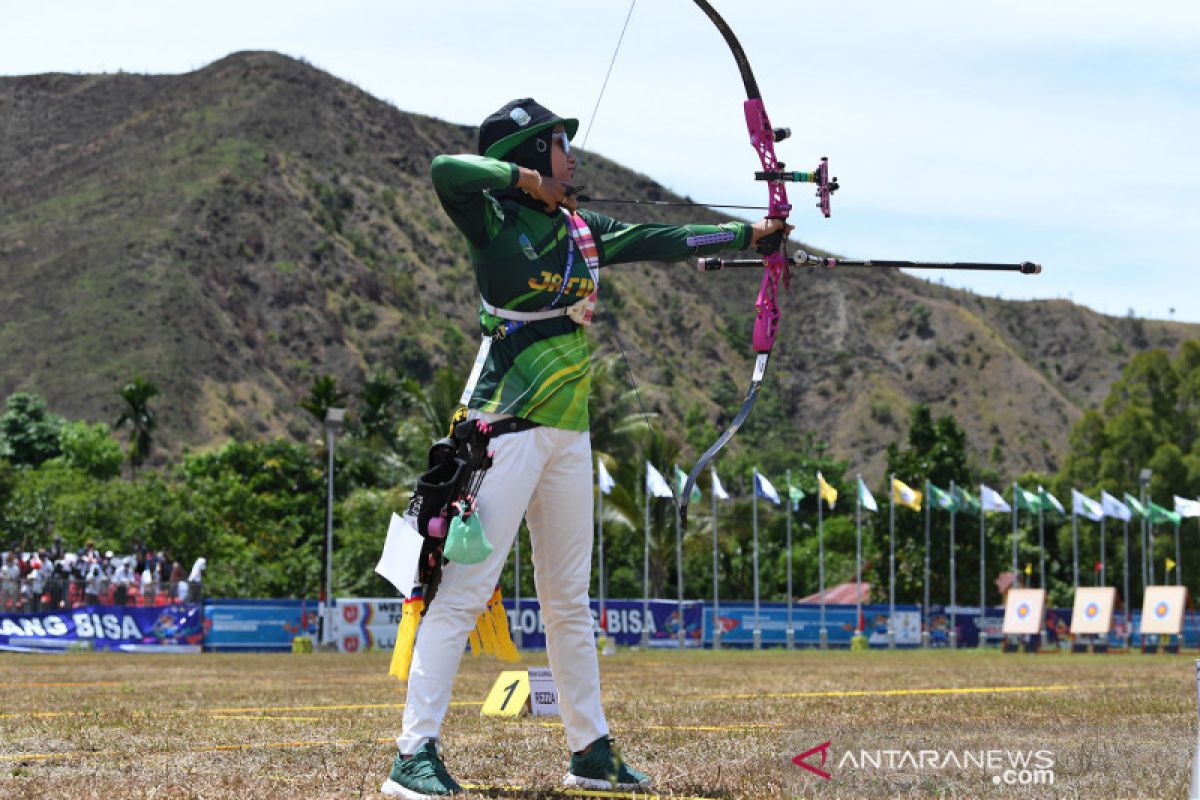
column 515, row 122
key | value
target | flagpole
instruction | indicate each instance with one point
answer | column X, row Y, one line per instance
column 822, row 634
column 1142, row 533
column 682, row 635
column 1041, row 542
column 953, row 587
column 646, row 565
column 1103, row 560
column 716, row 617
column 757, row 630
column 1150, row 537
column 791, row 634
column 857, row 553
column 1074, row 542
column 891, row 561
column 600, row 544
column 982, row 576
column 1015, row 513
column 520, row 642
column 1125, row 571
column 1178, row 557
column 925, row 605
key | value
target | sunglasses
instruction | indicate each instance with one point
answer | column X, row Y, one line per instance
column 561, row 136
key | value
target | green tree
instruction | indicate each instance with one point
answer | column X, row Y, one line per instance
column 29, row 434
column 141, row 419
column 936, row 451
column 91, row 448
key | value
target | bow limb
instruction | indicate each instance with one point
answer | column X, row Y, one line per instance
column 773, row 249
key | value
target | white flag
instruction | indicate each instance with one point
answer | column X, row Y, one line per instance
column 1085, row 506
column 1187, row 508
column 656, row 485
column 865, row 498
column 764, row 489
column 603, row 478
column 991, row 500
column 1112, row 507
column 717, row 489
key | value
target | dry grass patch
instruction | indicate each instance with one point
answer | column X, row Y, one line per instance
column 713, row 725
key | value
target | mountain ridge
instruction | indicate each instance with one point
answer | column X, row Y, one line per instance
column 235, row 231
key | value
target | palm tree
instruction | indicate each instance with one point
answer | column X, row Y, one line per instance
column 137, row 394
column 323, row 395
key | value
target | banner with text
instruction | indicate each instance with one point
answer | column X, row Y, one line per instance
column 174, row 628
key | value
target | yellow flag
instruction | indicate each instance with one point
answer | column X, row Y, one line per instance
column 1028, row 568
column 1170, row 565
column 906, row 495
column 827, row 492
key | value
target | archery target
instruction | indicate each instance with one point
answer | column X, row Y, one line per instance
column 1162, row 610
column 1093, row 610
column 1023, row 612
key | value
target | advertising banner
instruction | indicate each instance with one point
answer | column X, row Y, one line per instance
column 233, row 625
column 738, row 623
column 366, row 624
column 624, row 622
column 175, row 628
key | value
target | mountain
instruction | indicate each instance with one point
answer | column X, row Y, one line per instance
column 233, row 232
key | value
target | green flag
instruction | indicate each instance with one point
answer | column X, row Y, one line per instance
column 1050, row 502
column 795, row 495
column 1028, row 500
column 1135, row 506
column 943, row 500
column 965, row 501
column 1159, row 514
column 680, row 480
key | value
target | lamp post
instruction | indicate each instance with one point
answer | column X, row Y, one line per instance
column 334, row 421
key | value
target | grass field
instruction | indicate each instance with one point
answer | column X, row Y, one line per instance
column 704, row 725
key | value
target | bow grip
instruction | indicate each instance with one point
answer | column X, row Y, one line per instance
column 769, row 243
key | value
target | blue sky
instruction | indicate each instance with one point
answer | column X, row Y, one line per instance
column 1062, row 132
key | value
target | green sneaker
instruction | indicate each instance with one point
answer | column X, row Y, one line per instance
column 422, row 777
column 600, row 766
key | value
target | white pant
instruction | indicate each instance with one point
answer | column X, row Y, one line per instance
column 544, row 474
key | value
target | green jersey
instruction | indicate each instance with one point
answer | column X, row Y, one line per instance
column 525, row 260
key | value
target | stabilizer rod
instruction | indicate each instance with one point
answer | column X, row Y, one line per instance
column 803, row 259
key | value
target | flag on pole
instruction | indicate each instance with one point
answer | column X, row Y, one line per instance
column 1170, row 565
column 656, row 484
column 865, row 499
column 1135, row 506
column 1159, row 514
column 905, row 495
column 795, row 494
column 991, row 500
column 764, row 489
column 1112, row 507
column 681, row 481
column 1085, row 506
column 1099, row 566
column 827, row 492
column 1028, row 568
column 1028, row 500
column 1051, row 500
column 966, row 501
column 1187, row 508
column 941, row 499
column 718, row 489
column 603, row 478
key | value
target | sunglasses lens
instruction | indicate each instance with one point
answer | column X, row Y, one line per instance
column 564, row 141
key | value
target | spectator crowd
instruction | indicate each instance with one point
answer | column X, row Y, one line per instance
column 53, row 579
